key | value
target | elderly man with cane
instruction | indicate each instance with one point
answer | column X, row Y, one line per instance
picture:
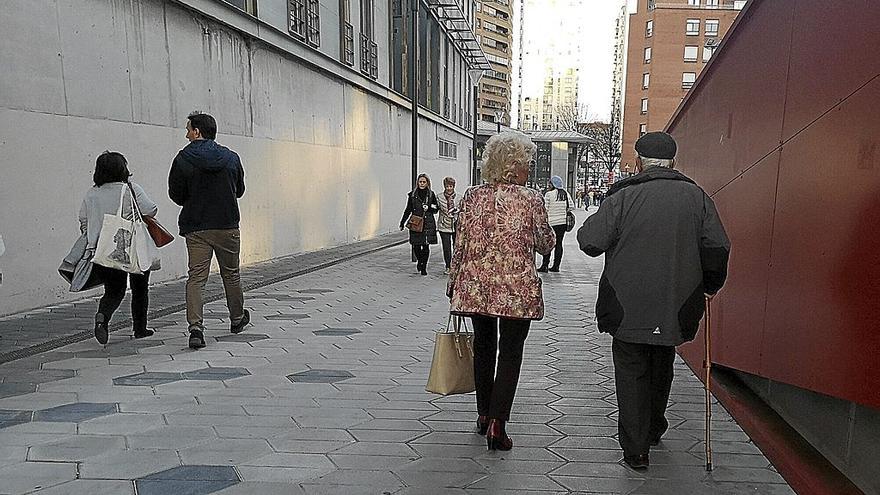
column 665, row 252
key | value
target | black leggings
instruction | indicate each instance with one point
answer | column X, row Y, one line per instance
column 448, row 239
column 495, row 390
column 557, row 250
column 421, row 253
column 114, row 292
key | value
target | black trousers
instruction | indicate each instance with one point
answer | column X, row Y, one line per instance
column 557, row 251
column 496, row 389
column 448, row 240
column 114, row 292
column 643, row 379
column 421, row 252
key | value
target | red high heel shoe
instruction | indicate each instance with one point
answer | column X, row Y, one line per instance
column 496, row 437
column 482, row 424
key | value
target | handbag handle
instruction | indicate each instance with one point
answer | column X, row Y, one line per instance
column 456, row 330
column 134, row 206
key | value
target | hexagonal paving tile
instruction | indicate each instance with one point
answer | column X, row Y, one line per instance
column 118, row 350
column 242, row 337
column 11, row 418
column 336, row 331
column 191, row 480
column 320, row 376
column 287, row 317
column 148, row 378
column 75, row 412
column 216, row 374
column 13, row 389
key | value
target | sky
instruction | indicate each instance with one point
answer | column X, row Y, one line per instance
column 598, row 22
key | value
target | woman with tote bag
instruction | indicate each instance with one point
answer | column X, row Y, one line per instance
column 501, row 225
column 114, row 199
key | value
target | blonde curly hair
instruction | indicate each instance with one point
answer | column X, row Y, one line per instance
column 503, row 152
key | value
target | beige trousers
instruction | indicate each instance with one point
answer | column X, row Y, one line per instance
column 201, row 246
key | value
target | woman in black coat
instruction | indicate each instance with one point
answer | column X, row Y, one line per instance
column 421, row 202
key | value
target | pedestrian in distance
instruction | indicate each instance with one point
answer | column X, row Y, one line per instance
column 446, row 219
column 558, row 203
column 207, row 180
column 665, row 251
column 112, row 185
column 492, row 280
column 421, row 202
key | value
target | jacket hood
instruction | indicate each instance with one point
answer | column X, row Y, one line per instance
column 653, row 173
column 207, row 155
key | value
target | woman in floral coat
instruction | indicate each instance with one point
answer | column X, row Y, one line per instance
column 493, row 279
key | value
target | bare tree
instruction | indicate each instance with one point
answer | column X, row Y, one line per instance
column 605, row 149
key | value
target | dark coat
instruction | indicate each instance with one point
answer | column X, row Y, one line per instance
column 206, row 179
column 414, row 206
column 664, row 249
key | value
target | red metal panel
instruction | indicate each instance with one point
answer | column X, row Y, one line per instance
column 824, row 304
column 821, row 328
column 737, row 119
column 834, row 48
column 746, row 207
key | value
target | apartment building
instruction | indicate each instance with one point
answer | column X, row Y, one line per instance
column 495, row 32
column 669, row 43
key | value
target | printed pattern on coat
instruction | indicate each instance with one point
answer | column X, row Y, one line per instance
column 500, row 227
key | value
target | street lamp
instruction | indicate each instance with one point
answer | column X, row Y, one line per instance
column 475, row 75
column 499, row 114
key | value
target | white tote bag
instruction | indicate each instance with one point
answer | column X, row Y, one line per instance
column 116, row 244
column 147, row 251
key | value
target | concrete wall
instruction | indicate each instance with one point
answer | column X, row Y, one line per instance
column 326, row 161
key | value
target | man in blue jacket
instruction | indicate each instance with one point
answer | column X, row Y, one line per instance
column 207, row 180
column 665, row 250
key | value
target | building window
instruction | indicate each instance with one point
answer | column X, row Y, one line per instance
column 688, row 79
column 369, row 48
column 690, row 53
column 711, row 4
column 448, row 149
column 346, row 33
column 708, row 51
column 694, row 3
column 646, row 80
column 693, row 27
column 649, row 29
column 249, row 6
column 648, row 55
column 711, row 27
column 643, row 129
column 644, row 108
column 304, row 21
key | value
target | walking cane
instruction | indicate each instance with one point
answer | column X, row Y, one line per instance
column 707, row 365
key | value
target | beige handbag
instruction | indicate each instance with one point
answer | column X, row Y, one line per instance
column 452, row 368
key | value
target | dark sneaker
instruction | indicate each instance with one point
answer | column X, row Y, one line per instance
column 101, row 331
column 555, row 269
column 238, row 327
column 143, row 333
column 543, row 269
column 637, row 462
column 196, row 339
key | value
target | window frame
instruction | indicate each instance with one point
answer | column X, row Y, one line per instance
column 646, row 80
column 643, row 108
column 648, row 54
column 643, row 129
column 687, row 27
column 696, row 52
column 688, row 84
column 713, row 22
column 649, row 28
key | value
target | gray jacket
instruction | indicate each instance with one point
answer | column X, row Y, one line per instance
column 105, row 200
column 665, row 247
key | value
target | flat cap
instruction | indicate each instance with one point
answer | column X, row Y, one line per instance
column 656, row 145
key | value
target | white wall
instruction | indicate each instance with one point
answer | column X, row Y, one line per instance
column 326, row 163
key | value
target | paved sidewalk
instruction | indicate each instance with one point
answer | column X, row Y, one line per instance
column 324, row 394
column 43, row 329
